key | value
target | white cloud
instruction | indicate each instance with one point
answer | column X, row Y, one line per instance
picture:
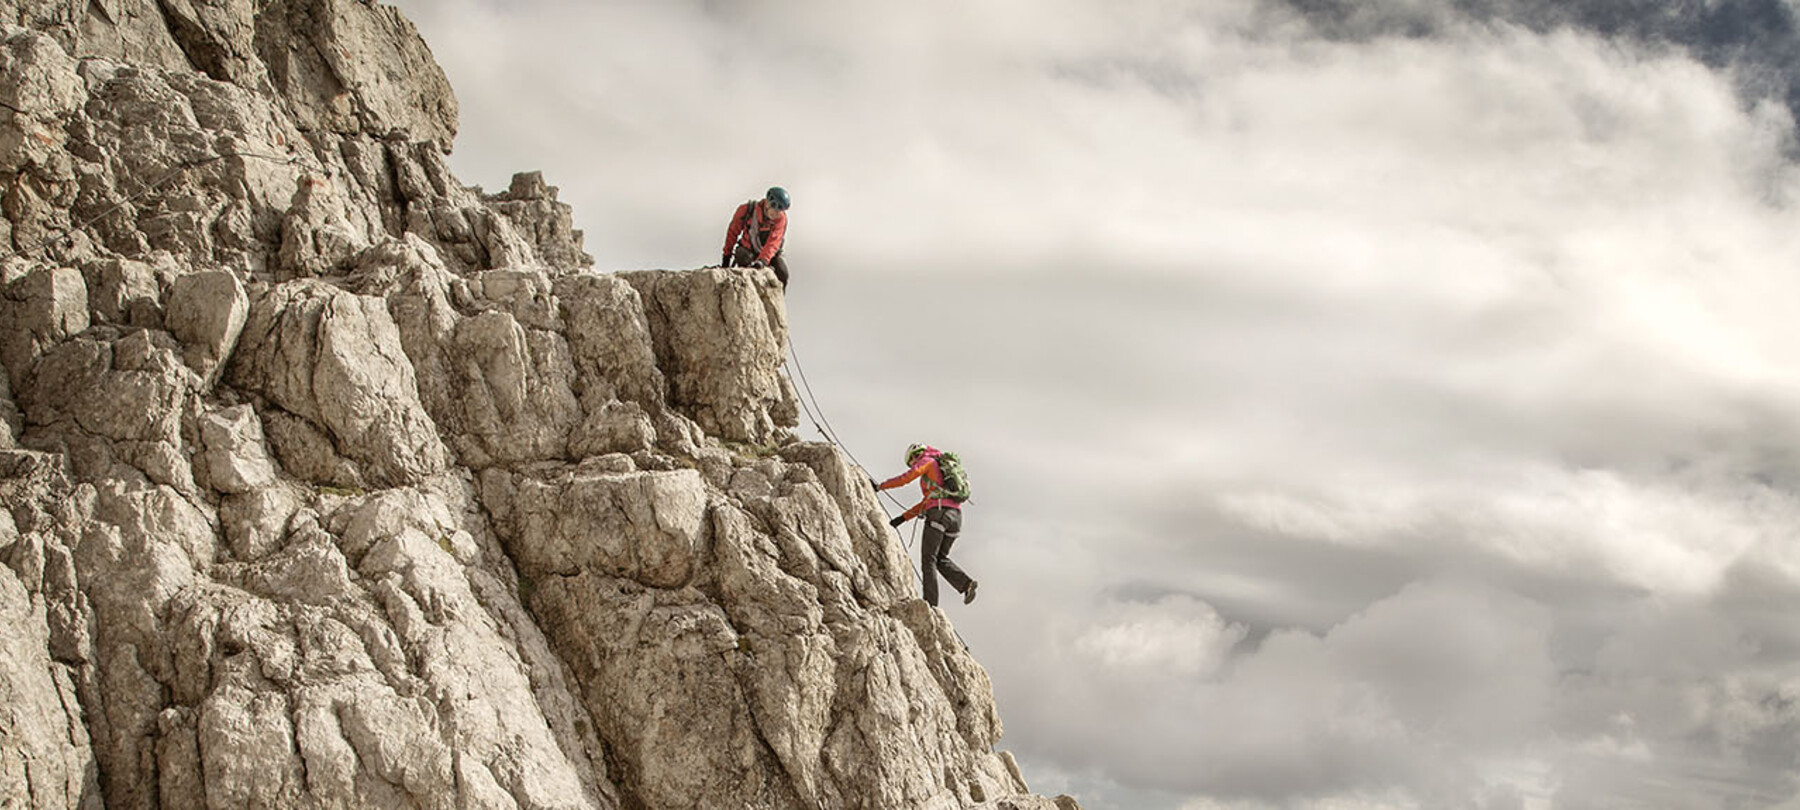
column 1439, row 667
column 1380, row 423
column 1176, row 637
column 1666, row 534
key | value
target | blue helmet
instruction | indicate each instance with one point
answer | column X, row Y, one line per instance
column 778, row 198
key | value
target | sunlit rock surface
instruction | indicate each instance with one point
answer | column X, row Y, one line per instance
column 328, row 481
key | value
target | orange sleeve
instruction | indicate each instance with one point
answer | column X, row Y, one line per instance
column 777, row 232
column 736, row 228
column 908, row 476
column 904, row 478
column 916, row 510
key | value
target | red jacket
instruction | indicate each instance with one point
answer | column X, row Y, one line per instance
column 931, row 483
column 757, row 230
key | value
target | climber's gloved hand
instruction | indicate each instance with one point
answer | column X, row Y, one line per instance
column 899, row 519
column 725, row 260
column 759, row 263
column 875, row 485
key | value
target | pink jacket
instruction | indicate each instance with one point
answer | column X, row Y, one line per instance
column 931, row 484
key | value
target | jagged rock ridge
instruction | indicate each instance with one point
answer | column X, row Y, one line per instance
column 331, row 482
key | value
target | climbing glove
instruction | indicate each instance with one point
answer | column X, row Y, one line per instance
column 725, row 260
column 876, row 485
column 899, row 519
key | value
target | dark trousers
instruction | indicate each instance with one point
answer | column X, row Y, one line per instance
column 744, row 256
column 942, row 526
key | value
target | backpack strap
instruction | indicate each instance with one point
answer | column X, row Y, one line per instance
column 937, row 489
column 752, row 227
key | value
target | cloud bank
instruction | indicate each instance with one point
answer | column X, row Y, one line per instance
column 1373, row 405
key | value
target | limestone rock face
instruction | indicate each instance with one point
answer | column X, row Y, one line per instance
column 1031, row 803
column 334, row 359
column 45, row 756
column 721, row 337
column 327, row 481
column 10, row 422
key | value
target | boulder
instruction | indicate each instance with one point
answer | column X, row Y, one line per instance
column 644, row 526
column 206, row 312
column 126, row 292
column 334, row 360
column 616, row 427
column 47, row 305
column 256, row 521
column 123, row 398
column 1030, row 803
column 235, row 460
column 514, row 402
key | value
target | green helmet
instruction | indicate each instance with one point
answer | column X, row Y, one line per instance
column 913, row 451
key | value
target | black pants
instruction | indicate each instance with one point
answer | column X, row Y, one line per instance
column 744, row 257
column 942, row 525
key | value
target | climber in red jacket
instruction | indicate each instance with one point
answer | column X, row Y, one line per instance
column 758, row 229
column 943, row 519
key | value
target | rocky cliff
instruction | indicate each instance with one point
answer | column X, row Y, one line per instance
column 328, row 481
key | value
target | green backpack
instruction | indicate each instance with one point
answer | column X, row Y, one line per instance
column 956, row 479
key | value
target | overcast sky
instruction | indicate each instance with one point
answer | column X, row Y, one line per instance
column 1370, row 405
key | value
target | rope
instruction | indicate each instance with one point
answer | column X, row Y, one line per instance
column 825, row 429
column 167, row 176
column 823, row 425
column 820, row 423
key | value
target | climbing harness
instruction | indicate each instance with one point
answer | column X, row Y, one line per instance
column 752, row 237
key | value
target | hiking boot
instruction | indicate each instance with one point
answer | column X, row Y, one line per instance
column 969, row 595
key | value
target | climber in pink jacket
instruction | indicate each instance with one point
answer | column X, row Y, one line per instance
column 942, row 508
